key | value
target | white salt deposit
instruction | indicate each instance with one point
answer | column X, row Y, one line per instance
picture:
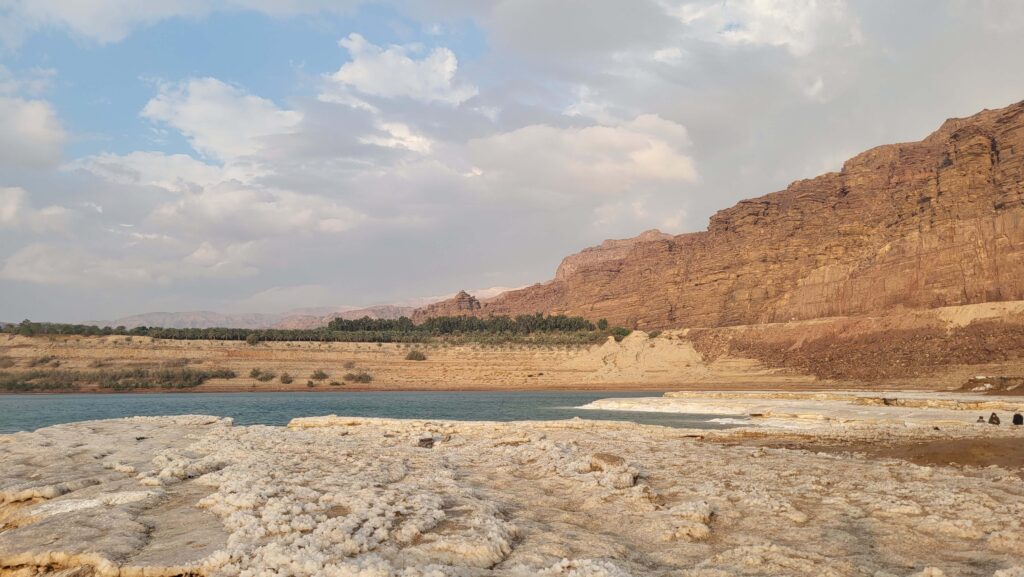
column 333, row 496
column 820, row 410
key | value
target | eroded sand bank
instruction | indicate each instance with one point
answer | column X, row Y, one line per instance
column 345, row 496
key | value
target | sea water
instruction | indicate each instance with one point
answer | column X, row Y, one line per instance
column 30, row 412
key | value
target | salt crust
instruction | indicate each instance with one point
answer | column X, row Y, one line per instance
column 332, row 496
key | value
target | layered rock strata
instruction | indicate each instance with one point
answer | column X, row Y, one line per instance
column 917, row 225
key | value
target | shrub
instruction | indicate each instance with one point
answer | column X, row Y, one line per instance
column 255, row 373
column 360, row 377
column 318, row 375
column 416, row 355
column 310, row 384
column 117, row 380
column 350, row 364
column 252, row 339
column 602, row 325
column 175, row 363
column 620, row 333
column 286, row 379
column 266, row 376
column 41, row 361
column 334, row 384
column 654, row 334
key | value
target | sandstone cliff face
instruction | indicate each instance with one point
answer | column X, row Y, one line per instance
column 461, row 304
column 919, row 225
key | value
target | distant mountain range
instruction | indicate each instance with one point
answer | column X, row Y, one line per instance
column 300, row 318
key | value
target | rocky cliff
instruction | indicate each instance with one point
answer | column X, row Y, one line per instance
column 461, row 304
column 918, row 225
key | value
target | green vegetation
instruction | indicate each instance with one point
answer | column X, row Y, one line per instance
column 620, row 333
column 416, row 355
column 117, row 380
column 43, row 362
column 558, row 330
column 360, row 377
column 318, row 375
column 255, row 373
column 334, row 384
column 266, row 376
column 286, row 379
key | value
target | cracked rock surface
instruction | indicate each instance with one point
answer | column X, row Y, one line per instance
column 336, row 496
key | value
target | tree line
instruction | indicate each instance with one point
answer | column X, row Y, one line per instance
column 367, row 330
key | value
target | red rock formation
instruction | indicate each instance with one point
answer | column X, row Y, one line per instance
column 905, row 226
column 461, row 304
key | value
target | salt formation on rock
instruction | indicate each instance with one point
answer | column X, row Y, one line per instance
column 820, row 410
column 337, row 496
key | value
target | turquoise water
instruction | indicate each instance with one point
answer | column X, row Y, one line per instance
column 30, row 412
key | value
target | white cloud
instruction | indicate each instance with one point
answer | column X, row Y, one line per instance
column 394, row 72
column 32, row 82
column 220, row 120
column 398, row 135
column 171, row 172
column 645, row 153
column 586, row 104
column 106, row 21
column 228, row 261
column 59, row 264
column 16, row 212
column 800, row 26
column 670, row 56
column 30, row 133
column 251, row 213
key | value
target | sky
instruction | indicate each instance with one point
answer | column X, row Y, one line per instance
column 266, row 155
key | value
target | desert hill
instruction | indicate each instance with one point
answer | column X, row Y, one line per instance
column 908, row 226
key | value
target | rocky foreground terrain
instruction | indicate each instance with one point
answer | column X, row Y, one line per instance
column 337, row 496
column 918, row 225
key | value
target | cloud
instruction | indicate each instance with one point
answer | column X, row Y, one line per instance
column 63, row 264
column 32, row 82
column 574, row 28
column 218, row 119
column 398, row 135
column 631, row 157
column 171, row 172
column 106, row 21
column 800, row 26
column 15, row 212
column 394, row 72
column 30, row 133
column 229, row 209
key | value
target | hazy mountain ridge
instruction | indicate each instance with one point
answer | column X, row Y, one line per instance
column 299, row 318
